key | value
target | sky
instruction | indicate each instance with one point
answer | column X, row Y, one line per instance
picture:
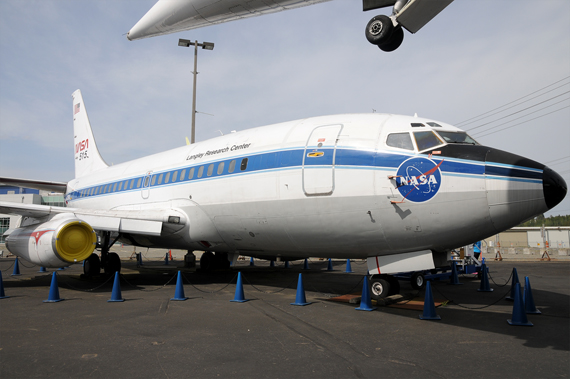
column 507, row 60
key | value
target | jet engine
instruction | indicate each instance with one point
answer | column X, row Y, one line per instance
column 59, row 242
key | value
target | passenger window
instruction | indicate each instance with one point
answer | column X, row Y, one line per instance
column 174, row 176
column 120, row 186
column 243, row 166
column 146, row 181
column 167, row 178
column 200, row 171
column 182, row 174
column 400, row 140
column 210, row 169
column 153, row 182
column 132, row 184
column 426, row 140
column 191, row 173
column 220, row 168
column 160, row 178
column 115, row 187
column 232, row 166
column 139, row 183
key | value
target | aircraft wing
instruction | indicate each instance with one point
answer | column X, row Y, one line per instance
column 144, row 222
column 170, row 16
column 417, row 13
column 36, row 184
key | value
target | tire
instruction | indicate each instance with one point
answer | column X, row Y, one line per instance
column 92, row 265
column 379, row 29
column 394, row 41
column 113, row 263
column 379, row 288
column 207, row 261
column 417, row 281
column 394, row 286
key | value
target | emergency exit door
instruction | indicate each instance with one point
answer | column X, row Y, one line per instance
column 319, row 160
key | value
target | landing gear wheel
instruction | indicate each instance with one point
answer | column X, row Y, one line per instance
column 379, row 288
column 207, row 261
column 394, row 286
column 92, row 265
column 113, row 263
column 394, row 41
column 379, row 29
column 418, row 281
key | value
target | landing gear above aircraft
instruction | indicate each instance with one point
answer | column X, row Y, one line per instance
column 381, row 31
column 382, row 286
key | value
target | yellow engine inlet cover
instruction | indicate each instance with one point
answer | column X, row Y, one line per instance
column 75, row 241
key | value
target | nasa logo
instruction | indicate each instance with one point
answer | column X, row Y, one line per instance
column 419, row 179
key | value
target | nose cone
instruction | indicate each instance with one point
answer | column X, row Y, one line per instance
column 554, row 187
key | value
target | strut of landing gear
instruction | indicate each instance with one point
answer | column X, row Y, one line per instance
column 382, row 286
column 210, row 262
column 110, row 261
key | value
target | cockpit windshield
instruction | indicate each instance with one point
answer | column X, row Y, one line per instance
column 457, row 137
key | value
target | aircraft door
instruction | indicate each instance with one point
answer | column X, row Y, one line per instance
column 319, row 160
column 145, row 191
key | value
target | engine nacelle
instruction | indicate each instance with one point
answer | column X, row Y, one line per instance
column 56, row 243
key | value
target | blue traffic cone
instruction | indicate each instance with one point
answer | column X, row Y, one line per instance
column 2, row 294
column 365, row 301
column 139, row 258
column 271, row 263
column 519, row 316
column 166, row 259
column 514, row 282
column 484, row 280
column 286, row 264
column 348, row 267
column 116, row 294
column 251, row 262
column 330, row 267
column 42, row 269
column 179, row 293
column 53, row 291
column 454, row 279
column 306, row 265
column 239, row 296
column 61, row 269
column 16, row 271
column 300, row 299
column 529, row 306
column 429, row 305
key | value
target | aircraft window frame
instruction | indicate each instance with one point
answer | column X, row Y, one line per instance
column 160, row 178
column 446, row 134
column 191, row 173
column 220, row 170
column 153, row 181
column 210, row 169
column 232, row 166
column 120, row 186
column 139, row 183
column 182, row 174
column 429, row 145
column 146, row 181
column 114, row 187
column 400, row 144
column 243, row 165
column 174, row 176
column 132, row 184
column 167, row 178
column 200, row 171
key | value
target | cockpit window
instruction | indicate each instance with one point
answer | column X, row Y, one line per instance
column 400, row 140
column 457, row 137
column 426, row 140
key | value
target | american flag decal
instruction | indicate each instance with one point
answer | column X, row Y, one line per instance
column 76, row 108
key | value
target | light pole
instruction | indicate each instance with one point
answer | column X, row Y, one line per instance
column 206, row 46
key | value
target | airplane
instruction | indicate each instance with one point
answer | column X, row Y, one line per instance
column 171, row 16
column 398, row 191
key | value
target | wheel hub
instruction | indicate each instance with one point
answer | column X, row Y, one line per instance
column 375, row 28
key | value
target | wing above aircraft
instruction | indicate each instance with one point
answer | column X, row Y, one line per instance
column 171, row 16
column 36, row 184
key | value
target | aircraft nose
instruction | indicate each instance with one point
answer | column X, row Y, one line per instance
column 554, row 187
